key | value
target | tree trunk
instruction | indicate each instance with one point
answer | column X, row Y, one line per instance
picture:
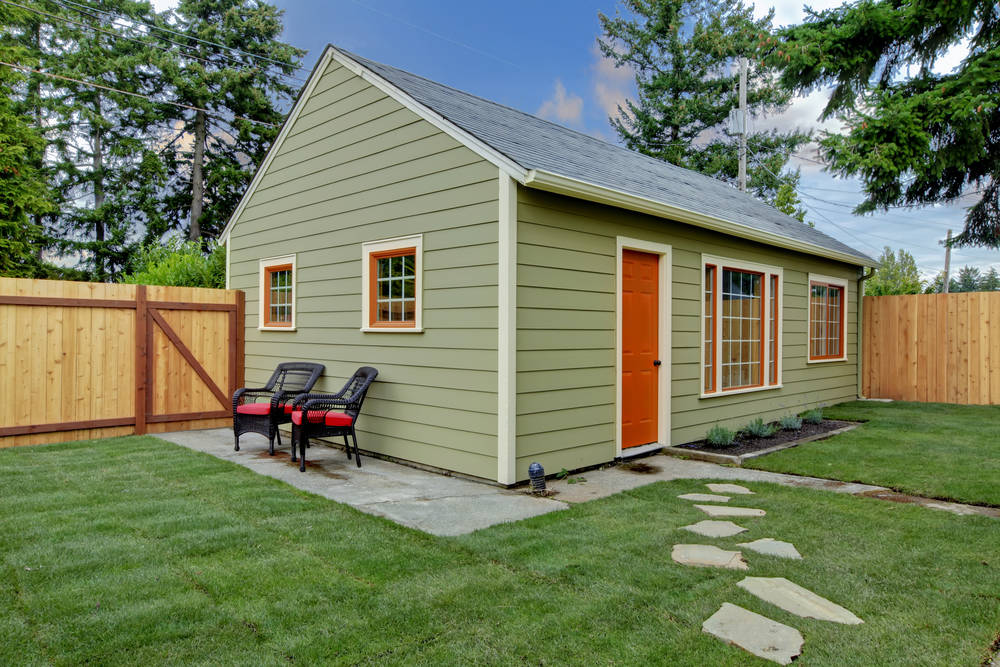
column 98, row 176
column 197, row 175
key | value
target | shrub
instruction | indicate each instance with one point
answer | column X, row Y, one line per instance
column 814, row 416
column 758, row 428
column 790, row 423
column 720, row 436
column 180, row 263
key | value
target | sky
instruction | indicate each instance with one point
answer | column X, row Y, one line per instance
column 541, row 57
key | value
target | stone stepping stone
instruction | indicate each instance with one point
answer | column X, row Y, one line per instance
column 797, row 600
column 734, row 489
column 710, row 528
column 757, row 634
column 718, row 510
column 772, row 547
column 704, row 497
column 705, row 555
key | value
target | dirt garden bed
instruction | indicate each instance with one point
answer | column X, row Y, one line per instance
column 746, row 446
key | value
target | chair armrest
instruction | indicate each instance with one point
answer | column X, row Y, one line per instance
column 321, row 401
column 249, row 392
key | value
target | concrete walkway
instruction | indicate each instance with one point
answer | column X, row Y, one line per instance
column 428, row 501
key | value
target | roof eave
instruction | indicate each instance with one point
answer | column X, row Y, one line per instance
column 565, row 185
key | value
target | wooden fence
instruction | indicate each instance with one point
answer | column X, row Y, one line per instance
column 91, row 360
column 933, row 347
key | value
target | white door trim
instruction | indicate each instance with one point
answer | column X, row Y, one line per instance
column 664, row 312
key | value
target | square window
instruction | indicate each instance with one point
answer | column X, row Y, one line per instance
column 391, row 285
column 277, row 294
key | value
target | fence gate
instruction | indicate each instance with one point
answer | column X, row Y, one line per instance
column 85, row 360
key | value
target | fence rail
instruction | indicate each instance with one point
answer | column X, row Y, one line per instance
column 933, row 347
column 86, row 360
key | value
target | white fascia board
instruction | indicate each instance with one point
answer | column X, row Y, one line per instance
column 481, row 148
column 565, row 185
column 286, row 127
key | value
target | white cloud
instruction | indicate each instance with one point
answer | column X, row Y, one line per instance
column 566, row 108
column 162, row 5
column 612, row 85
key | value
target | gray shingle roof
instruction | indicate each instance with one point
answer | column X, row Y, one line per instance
column 534, row 143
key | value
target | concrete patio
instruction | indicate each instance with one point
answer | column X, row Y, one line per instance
column 445, row 505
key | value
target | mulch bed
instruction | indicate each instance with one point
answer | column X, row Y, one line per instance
column 747, row 445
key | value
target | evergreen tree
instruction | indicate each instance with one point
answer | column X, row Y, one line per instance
column 787, row 201
column 968, row 280
column 897, row 275
column 991, row 281
column 913, row 136
column 684, row 55
column 213, row 163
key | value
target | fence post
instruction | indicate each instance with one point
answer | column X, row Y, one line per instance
column 140, row 359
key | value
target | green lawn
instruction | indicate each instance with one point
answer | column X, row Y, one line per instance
column 927, row 449
column 135, row 551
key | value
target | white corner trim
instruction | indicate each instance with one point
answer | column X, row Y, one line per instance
column 664, row 312
column 768, row 270
column 229, row 263
column 837, row 282
column 415, row 241
column 484, row 150
column 507, row 332
column 317, row 73
column 263, row 264
column 566, row 185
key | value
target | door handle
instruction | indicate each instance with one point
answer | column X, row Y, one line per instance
column 657, row 362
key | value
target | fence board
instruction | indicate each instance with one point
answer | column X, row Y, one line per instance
column 86, row 360
column 933, row 347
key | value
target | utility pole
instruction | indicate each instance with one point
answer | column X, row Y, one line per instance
column 947, row 262
column 742, row 178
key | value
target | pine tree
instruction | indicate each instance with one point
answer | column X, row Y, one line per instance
column 683, row 53
column 913, row 136
column 246, row 78
column 991, row 281
column 787, row 201
column 897, row 274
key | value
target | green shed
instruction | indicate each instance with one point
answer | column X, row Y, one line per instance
column 527, row 292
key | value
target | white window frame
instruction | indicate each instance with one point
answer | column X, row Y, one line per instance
column 721, row 263
column 262, row 272
column 415, row 241
column 836, row 282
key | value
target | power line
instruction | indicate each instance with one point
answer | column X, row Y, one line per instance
column 130, row 93
column 191, row 37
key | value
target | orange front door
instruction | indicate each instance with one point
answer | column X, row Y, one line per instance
column 640, row 346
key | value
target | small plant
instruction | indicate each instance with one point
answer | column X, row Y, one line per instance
column 562, row 474
column 720, row 436
column 814, row 416
column 790, row 423
column 758, row 428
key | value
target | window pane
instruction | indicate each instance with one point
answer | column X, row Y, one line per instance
column 409, row 264
column 741, row 328
column 279, row 296
column 383, row 267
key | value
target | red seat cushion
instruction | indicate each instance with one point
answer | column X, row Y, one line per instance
column 254, row 409
column 288, row 408
column 315, row 417
column 338, row 419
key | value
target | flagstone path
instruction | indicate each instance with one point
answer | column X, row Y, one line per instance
column 735, row 625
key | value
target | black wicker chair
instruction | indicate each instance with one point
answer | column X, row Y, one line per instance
column 331, row 414
column 253, row 415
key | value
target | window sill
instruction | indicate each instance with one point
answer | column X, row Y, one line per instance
column 275, row 328
column 748, row 390
column 825, row 361
column 392, row 329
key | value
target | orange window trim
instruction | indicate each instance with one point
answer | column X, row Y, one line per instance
column 373, row 287
column 268, row 270
column 774, row 284
column 840, row 320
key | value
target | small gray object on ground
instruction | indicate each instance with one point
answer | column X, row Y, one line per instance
column 710, row 528
column 719, row 510
column 757, row 634
column 706, row 555
column 734, row 489
column 772, row 547
column 797, row 600
column 704, row 497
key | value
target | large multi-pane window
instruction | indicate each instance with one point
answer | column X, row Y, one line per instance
column 391, row 292
column 277, row 293
column 827, row 297
column 740, row 324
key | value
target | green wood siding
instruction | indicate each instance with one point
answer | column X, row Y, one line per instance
column 566, row 331
column 358, row 166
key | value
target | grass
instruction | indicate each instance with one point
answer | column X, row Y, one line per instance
column 936, row 450
column 135, row 551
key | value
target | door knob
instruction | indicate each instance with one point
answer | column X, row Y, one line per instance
column 657, row 362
